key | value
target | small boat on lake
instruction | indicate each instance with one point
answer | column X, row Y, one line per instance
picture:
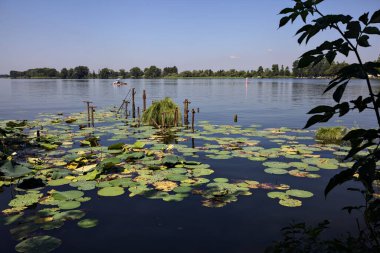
column 118, row 83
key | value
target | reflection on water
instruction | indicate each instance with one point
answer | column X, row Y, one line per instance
column 270, row 102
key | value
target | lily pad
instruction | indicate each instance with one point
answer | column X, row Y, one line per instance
column 276, row 171
column 299, row 193
column 38, row 244
column 111, row 191
column 289, row 202
column 88, row 223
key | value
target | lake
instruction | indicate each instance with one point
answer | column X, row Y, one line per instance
column 149, row 225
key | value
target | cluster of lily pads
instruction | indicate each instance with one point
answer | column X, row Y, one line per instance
column 50, row 163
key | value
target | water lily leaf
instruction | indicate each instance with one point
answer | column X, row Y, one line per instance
column 176, row 177
column 122, row 182
column 138, row 145
column 289, row 202
column 220, row 180
column 182, row 189
column 38, row 244
column 299, row 193
column 48, row 146
column 165, row 186
column 213, row 203
column 88, row 223
column 276, row 171
column 277, row 165
column 202, row 172
column 86, row 168
column 119, row 145
column 25, row 199
column 67, row 195
column 66, row 205
column 52, row 225
column 171, row 160
column 8, row 169
column 280, row 195
column 176, row 197
column 69, row 215
column 58, row 182
column 84, row 185
column 111, row 191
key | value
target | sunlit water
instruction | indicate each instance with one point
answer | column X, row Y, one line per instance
column 141, row 225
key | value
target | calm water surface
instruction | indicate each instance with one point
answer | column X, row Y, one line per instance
column 141, row 225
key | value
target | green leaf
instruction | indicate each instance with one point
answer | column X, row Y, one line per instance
column 363, row 41
column 371, row 30
column 338, row 179
column 321, row 109
column 283, row 21
column 375, row 17
column 364, row 18
column 305, row 61
column 318, row 118
column 344, row 108
column 286, row 10
column 330, row 56
column 353, row 30
column 339, row 92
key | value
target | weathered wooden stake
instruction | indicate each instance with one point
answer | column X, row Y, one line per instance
column 126, row 102
column 186, row 111
column 192, row 142
column 38, row 135
column 133, row 103
column 92, row 109
column 144, row 101
column 138, row 115
column 176, row 117
column 88, row 112
column 192, row 119
column 235, row 118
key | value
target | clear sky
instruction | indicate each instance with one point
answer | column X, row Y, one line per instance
column 191, row 34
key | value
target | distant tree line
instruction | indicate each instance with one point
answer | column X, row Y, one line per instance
column 322, row 69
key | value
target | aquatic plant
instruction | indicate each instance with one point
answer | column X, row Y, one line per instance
column 162, row 113
column 330, row 134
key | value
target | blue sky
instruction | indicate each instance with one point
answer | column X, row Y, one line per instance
column 191, row 34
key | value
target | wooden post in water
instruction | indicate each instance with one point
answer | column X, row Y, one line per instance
column 186, row 111
column 88, row 112
column 235, row 118
column 176, row 117
column 138, row 115
column 144, row 101
column 192, row 119
column 92, row 110
column 133, row 103
column 126, row 102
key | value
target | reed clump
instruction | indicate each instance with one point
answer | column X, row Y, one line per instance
column 162, row 113
column 331, row 134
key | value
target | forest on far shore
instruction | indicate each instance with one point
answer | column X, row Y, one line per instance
column 322, row 69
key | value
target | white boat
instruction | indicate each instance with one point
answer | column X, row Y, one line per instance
column 118, row 82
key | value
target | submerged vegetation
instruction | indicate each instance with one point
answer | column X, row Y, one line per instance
column 162, row 113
